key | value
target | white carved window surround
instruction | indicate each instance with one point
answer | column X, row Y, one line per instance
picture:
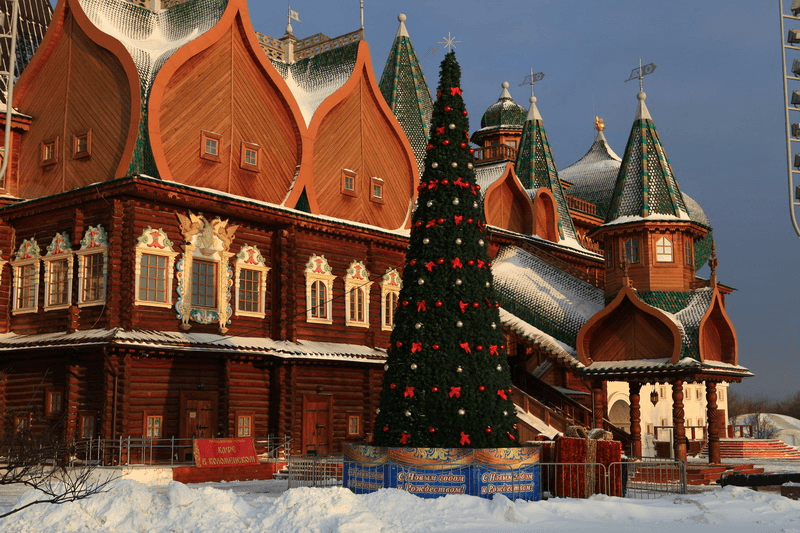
column 93, row 267
column 251, row 282
column 356, row 295
column 208, row 244
column 390, row 292
column 58, row 268
column 25, row 278
column 319, row 286
column 155, row 268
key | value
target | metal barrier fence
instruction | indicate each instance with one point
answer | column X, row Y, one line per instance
column 172, row 451
column 640, row 478
column 636, row 478
column 315, row 471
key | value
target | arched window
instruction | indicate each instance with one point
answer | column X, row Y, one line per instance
column 632, row 251
column 319, row 282
column 390, row 291
column 664, row 250
column 356, row 286
column 319, row 300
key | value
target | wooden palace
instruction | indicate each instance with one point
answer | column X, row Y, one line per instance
column 202, row 234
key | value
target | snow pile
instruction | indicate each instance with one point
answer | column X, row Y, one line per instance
column 130, row 506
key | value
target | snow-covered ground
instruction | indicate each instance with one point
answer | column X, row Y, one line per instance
column 265, row 506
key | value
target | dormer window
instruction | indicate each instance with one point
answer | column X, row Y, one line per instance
column 82, row 145
column 349, row 182
column 49, row 152
column 664, row 250
column 210, row 146
column 376, row 188
column 249, row 157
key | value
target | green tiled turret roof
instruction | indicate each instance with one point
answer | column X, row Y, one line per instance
column 646, row 185
column 535, row 167
column 504, row 112
column 404, row 88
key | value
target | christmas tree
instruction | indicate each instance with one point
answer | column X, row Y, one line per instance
column 447, row 380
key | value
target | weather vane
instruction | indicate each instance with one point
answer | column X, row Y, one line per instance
column 449, row 42
column 532, row 79
column 640, row 72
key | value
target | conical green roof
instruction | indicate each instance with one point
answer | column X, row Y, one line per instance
column 504, row 112
column 535, row 167
column 404, row 88
column 646, row 185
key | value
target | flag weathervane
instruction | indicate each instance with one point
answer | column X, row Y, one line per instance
column 449, row 42
column 531, row 79
column 292, row 15
column 640, row 72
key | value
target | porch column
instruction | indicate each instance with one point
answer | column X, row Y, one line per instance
column 679, row 428
column 635, row 388
column 599, row 403
column 713, row 423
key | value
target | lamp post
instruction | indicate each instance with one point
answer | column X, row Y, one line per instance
column 790, row 40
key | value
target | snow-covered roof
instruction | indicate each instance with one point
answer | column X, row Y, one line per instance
column 314, row 79
column 195, row 342
column 486, row 175
column 544, row 296
column 152, row 37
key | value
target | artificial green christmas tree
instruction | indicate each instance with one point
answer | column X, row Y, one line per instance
column 447, row 381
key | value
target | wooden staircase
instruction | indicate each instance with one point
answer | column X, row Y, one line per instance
column 708, row 474
column 559, row 414
column 755, row 449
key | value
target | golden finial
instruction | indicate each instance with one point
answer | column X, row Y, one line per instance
column 599, row 125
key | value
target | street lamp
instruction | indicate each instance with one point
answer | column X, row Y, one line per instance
column 791, row 105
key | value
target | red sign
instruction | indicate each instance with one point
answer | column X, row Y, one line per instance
column 224, row 452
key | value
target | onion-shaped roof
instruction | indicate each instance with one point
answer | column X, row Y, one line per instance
column 504, row 112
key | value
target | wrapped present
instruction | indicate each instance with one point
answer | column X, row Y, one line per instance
column 583, row 466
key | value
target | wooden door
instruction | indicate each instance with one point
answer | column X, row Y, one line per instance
column 198, row 419
column 317, row 420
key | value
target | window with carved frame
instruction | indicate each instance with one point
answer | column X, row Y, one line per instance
column 92, row 267
column 251, row 282
column 319, row 283
column 356, row 295
column 155, row 265
column 25, row 278
column 58, row 269
column 390, row 292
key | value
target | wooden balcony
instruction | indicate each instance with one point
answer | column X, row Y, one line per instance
column 581, row 205
column 498, row 152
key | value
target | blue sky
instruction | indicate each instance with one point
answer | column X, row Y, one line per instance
column 716, row 98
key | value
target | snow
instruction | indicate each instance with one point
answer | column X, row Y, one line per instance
column 131, row 506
